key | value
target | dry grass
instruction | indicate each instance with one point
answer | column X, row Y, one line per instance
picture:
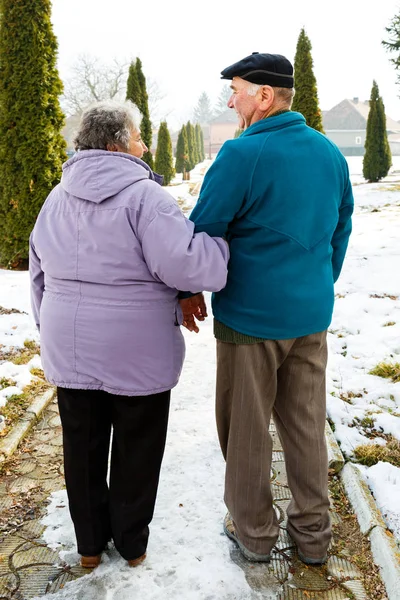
column 387, row 370
column 21, row 356
column 5, row 383
column 389, row 324
column 38, row 373
column 390, row 296
column 371, row 454
column 391, row 187
column 352, row 545
column 17, row 405
column 348, row 396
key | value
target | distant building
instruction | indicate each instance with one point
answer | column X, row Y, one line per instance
column 222, row 128
column 346, row 125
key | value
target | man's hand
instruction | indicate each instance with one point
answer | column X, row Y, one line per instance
column 192, row 307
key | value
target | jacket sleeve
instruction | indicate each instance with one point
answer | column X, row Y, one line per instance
column 37, row 282
column 342, row 232
column 223, row 192
column 180, row 259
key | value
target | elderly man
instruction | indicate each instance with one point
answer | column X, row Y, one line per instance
column 280, row 194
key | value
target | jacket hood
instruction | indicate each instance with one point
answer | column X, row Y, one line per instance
column 96, row 175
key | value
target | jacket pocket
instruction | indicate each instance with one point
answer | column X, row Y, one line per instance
column 178, row 315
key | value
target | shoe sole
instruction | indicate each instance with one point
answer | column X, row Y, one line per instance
column 311, row 561
column 248, row 555
column 90, row 562
column 135, row 562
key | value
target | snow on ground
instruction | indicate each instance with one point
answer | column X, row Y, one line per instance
column 15, row 329
column 365, row 331
column 384, row 481
column 187, row 550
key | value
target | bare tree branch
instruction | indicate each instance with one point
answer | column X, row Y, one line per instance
column 93, row 80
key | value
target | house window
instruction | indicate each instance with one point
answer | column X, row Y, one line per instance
column 358, row 140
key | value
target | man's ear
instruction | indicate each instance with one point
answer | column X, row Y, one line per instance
column 112, row 148
column 267, row 96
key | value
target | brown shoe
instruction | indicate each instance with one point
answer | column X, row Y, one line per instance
column 136, row 561
column 90, row 562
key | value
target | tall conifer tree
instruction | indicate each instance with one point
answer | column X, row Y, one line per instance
column 32, row 148
column 200, row 142
column 203, row 112
column 191, row 145
column 378, row 158
column 182, row 164
column 133, row 89
column 306, row 97
column 392, row 44
column 145, row 126
column 164, row 159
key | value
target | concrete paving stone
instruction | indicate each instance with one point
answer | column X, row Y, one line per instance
column 8, row 583
column 285, row 541
column 35, row 580
column 278, row 456
column 9, row 444
column 32, row 530
column 59, row 581
column 291, row 593
column 305, row 577
column 44, row 472
column 6, row 502
column 56, row 440
column 276, row 442
column 280, row 492
column 55, row 421
column 357, row 589
column 342, row 568
column 280, row 567
column 43, row 436
column 9, row 543
column 363, row 503
column 27, row 466
column 280, row 468
column 34, row 554
column 22, row 484
column 259, row 576
column 386, row 553
column 44, row 450
column 52, row 485
column 335, row 456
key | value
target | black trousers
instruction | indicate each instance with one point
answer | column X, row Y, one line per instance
column 123, row 510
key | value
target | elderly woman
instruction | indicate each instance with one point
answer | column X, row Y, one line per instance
column 109, row 252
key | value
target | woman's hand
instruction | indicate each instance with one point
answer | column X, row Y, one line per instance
column 192, row 307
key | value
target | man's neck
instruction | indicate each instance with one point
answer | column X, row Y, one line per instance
column 277, row 110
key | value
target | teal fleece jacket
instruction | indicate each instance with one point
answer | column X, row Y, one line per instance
column 281, row 196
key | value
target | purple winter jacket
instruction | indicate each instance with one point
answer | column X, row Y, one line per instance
column 109, row 251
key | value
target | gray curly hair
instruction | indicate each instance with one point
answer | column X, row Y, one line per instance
column 107, row 123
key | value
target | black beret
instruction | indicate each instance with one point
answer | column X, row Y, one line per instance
column 263, row 69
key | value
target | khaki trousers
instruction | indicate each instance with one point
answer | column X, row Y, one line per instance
column 286, row 379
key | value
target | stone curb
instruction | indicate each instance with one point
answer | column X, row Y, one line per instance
column 384, row 548
column 335, row 456
column 10, row 443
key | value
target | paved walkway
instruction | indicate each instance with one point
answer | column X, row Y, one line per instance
column 28, row 568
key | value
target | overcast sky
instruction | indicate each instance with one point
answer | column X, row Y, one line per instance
column 184, row 44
